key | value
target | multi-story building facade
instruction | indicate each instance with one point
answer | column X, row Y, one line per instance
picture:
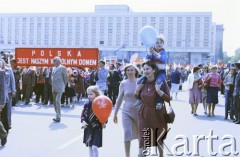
column 114, row 29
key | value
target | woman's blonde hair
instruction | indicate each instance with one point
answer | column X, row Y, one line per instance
column 134, row 66
column 94, row 89
column 213, row 67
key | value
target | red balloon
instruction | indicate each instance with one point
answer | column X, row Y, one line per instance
column 102, row 107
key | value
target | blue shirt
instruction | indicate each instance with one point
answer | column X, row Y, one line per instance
column 102, row 79
column 162, row 59
column 175, row 77
column 102, row 75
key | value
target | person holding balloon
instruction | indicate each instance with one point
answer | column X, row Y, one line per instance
column 156, row 54
column 94, row 117
column 129, row 112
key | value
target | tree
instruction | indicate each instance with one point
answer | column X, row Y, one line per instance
column 235, row 58
column 226, row 59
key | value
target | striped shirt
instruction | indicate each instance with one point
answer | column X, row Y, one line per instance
column 215, row 79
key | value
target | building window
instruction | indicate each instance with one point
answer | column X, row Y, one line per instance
column 77, row 41
column 39, row 19
column 110, row 31
column 54, row 19
column 39, row 36
column 54, row 42
column 144, row 19
column 62, row 19
column 169, row 43
column 39, row 25
column 69, row 41
column 196, row 43
column 24, row 19
column 178, row 44
column 119, row 19
column 205, row 44
column 62, row 42
column 78, row 19
column 110, row 19
column 188, row 44
column 46, row 19
column 9, row 20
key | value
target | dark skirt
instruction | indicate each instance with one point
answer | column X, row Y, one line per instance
column 212, row 95
column 236, row 104
column 151, row 126
column 71, row 92
column 93, row 136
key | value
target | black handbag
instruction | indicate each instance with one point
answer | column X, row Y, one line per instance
column 170, row 114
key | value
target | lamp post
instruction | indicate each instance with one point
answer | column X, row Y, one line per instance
column 123, row 46
column 186, row 41
column 168, row 57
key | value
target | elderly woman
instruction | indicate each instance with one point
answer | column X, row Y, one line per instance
column 129, row 112
column 11, row 89
column 214, row 81
column 195, row 83
column 151, row 120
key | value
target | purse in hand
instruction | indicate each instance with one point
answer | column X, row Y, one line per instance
column 170, row 115
column 206, row 85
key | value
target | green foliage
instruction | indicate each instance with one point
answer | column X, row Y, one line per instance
column 235, row 58
column 226, row 59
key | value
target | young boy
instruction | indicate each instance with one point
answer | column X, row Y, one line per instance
column 158, row 55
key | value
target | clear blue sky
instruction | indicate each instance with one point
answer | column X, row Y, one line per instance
column 225, row 12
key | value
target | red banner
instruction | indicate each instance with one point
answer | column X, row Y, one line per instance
column 71, row 57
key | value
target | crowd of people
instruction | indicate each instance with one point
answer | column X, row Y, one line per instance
column 149, row 85
column 206, row 82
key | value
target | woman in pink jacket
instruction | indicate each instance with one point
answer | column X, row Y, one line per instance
column 214, row 80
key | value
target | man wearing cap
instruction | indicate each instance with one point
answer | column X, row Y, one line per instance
column 236, row 95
